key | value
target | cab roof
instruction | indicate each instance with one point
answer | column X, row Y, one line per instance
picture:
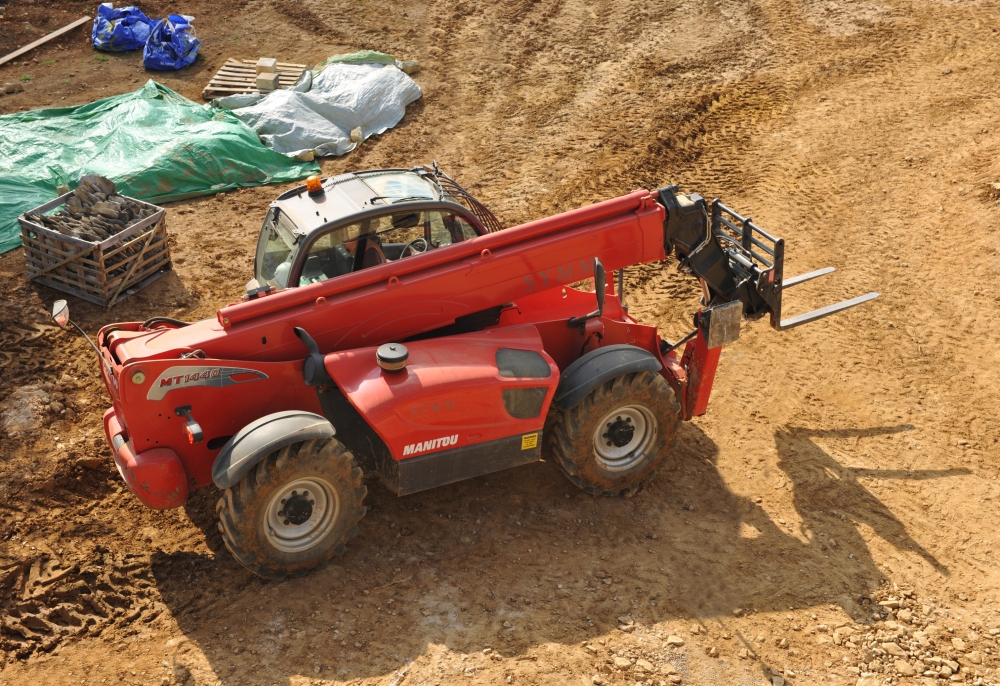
column 348, row 194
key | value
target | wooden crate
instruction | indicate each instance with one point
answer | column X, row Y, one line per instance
column 240, row 76
column 104, row 273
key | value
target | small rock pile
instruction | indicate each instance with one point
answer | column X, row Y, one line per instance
column 94, row 212
column 912, row 642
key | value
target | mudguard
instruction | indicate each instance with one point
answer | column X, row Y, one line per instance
column 261, row 438
column 599, row 366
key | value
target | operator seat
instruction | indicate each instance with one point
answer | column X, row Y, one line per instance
column 343, row 260
column 367, row 253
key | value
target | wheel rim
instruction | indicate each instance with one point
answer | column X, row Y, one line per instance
column 301, row 514
column 623, row 436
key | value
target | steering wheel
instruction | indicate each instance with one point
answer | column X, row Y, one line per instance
column 411, row 246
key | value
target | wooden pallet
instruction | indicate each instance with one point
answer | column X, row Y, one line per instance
column 240, row 76
column 103, row 273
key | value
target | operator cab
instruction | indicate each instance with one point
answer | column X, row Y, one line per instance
column 336, row 226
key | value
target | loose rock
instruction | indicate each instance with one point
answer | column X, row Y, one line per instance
column 893, row 649
column 675, row 641
column 904, row 668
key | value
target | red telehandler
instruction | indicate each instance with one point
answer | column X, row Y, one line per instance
column 394, row 328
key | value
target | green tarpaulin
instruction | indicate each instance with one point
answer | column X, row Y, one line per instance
column 154, row 144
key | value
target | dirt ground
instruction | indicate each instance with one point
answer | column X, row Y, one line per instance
column 833, row 518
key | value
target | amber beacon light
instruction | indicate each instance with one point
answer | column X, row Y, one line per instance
column 314, row 185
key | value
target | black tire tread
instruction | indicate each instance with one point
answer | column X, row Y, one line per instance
column 236, row 522
column 569, row 431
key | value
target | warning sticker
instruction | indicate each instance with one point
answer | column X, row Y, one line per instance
column 529, row 441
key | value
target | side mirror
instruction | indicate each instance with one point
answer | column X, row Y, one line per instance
column 60, row 313
column 313, row 368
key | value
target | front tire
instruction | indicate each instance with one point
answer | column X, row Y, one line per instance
column 293, row 510
column 619, row 436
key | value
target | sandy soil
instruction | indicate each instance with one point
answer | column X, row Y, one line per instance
column 832, row 517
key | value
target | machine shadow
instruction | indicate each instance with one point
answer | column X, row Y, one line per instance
column 831, row 500
column 519, row 559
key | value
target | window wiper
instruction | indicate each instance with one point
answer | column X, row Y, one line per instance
column 399, row 198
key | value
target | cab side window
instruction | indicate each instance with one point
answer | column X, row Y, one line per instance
column 388, row 237
column 330, row 255
column 447, row 228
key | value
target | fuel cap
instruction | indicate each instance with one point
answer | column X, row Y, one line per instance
column 392, row 356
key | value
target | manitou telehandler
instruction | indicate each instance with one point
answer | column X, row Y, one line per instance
column 394, row 328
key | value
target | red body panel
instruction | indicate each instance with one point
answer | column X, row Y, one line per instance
column 449, row 392
column 155, row 476
column 221, row 410
column 701, row 363
column 247, row 363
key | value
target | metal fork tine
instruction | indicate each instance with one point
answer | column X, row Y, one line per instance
column 825, row 311
column 808, row 276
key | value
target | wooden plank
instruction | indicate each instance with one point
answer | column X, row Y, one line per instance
column 253, row 63
column 65, row 260
column 48, row 253
column 148, row 265
column 250, row 65
column 253, row 77
column 88, row 284
column 157, row 248
column 112, row 251
column 241, row 82
column 136, row 287
column 99, row 286
column 44, row 39
column 248, row 89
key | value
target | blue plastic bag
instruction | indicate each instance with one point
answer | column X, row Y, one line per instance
column 118, row 30
column 171, row 45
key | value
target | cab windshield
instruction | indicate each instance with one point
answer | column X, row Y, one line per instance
column 275, row 250
column 393, row 186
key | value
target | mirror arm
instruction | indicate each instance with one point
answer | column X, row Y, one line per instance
column 600, row 290
column 97, row 350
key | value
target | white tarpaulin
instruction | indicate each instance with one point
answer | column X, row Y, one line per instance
column 316, row 117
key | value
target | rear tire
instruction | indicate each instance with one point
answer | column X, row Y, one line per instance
column 293, row 510
column 619, row 436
